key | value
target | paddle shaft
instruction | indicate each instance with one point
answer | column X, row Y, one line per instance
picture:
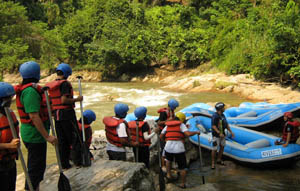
column 15, row 136
column 53, row 130
column 81, row 111
column 200, row 156
column 137, row 140
column 162, row 185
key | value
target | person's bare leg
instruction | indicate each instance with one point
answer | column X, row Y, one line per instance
column 220, row 153
column 213, row 153
column 182, row 177
column 168, row 165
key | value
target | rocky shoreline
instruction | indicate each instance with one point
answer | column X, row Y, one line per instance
column 194, row 80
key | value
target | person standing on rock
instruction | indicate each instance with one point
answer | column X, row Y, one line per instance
column 8, row 145
column 117, row 133
column 63, row 104
column 88, row 117
column 35, row 125
column 174, row 133
column 144, row 135
column 166, row 114
column 219, row 124
column 290, row 130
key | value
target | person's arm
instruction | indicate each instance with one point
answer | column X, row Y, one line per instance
column 191, row 133
column 121, row 130
column 287, row 139
column 38, row 124
column 14, row 144
column 65, row 91
column 162, row 134
column 229, row 129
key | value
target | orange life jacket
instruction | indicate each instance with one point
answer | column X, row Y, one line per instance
column 6, row 136
column 161, row 110
column 111, row 125
column 132, row 129
column 173, row 132
column 294, row 134
column 55, row 95
column 89, row 141
column 24, row 117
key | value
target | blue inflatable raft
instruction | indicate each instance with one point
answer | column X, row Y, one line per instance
column 248, row 146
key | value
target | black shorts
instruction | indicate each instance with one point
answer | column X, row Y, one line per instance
column 179, row 159
column 113, row 155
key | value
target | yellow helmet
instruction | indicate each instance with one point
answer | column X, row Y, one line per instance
column 181, row 116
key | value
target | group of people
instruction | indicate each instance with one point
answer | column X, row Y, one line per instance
column 32, row 109
column 35, row 124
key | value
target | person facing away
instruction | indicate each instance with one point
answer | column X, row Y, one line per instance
column 88, row 117
column 166, row 114
column 174, row 134
column 63, row 104
column 35, row 125
column 290, row 132
column 143, row 137
column 117, row 133
column 219, row 124
column 8, row 145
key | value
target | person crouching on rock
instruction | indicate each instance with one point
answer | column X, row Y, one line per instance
column 144, row 135
column 88, row 117
column 290, row 130
column 116, row 133
column 8, row 145
column 174, row 133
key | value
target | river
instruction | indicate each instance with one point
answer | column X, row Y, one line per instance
column 101, row 98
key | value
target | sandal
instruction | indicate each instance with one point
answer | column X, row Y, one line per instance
column 221, row 163
column 182, row 187
column 213, row 167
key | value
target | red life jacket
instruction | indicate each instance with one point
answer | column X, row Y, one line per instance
column 55, row 95
column 294, row 134
column 6, row 136
column 24, row 117
column 173, row 132
column 111, row 125
column 161, row 110
column 89, row 141
column 132, row 129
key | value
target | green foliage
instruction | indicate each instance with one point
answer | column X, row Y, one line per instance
column 121, row 37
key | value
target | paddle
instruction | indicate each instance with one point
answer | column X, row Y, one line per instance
column 63, row 181
column 86, row 158
column 200, row 156
column 162, row 185
column 137, row 140
column 14, row 134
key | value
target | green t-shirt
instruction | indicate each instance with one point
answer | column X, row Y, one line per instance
column 31, row 100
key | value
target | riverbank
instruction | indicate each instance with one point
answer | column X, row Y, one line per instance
column 195, row 80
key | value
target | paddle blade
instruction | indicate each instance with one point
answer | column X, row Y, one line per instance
column 86, row 157
column 63, row 183
column 162, row 186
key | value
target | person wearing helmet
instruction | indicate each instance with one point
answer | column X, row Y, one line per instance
column 88, row 117
column 63, row 104
column 145, row 135
column 174, row 134
column 8, row 145
column 219, row 124
column 290, row 132
column 116, row 133
column 32, row 109
column 166, row 114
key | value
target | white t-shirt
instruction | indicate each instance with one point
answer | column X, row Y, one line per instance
column 175, row 146
column 121, row 130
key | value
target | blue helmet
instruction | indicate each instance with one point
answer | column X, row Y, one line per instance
column 30, row 69
column 173, row 103
column 121, row 109
column 65, row 68
column 140, row 112
column 89, row 115
column 6, row 90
